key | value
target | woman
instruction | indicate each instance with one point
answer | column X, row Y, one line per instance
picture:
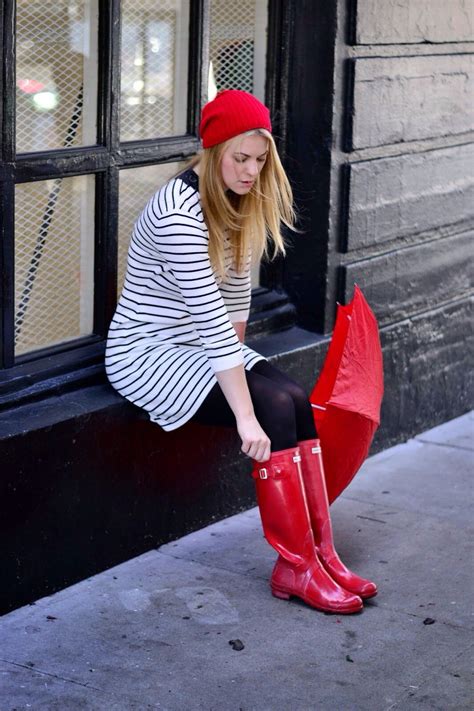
column 176, row 343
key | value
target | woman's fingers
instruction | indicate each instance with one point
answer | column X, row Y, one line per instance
column 263, row 452
column 267, row 452
column 257, row 449
column 255, row 443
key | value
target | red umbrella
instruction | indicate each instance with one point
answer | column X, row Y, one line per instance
column 347, row 396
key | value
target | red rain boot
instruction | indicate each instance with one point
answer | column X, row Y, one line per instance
column 316, row 495
column 286, row 526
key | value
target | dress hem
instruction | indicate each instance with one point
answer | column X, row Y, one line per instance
column 197, row 404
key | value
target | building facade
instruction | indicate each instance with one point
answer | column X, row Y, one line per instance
column 371, row 102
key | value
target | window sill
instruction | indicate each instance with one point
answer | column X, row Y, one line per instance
column 56, row 371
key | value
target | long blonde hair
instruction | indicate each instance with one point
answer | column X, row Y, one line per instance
column 253, row 220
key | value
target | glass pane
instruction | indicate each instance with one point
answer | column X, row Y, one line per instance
column 155, row 38
column 137, row 185
column 237, row 53
column 56, row 74
column 54, row 261
column 238, row 41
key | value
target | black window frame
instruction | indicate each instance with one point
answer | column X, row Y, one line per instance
column 79, row 362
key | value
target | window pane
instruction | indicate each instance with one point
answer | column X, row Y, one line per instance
column 237, row 53
column 155, row 38
column 54, row 261
column 56, row 74
column 238, row 42
column 137, row 185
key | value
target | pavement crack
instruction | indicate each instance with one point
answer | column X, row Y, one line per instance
column 51, row 674
column 446, row 444
column 369, row 518
column 89, row 687
column 422, row 682
column 212, row 567
column 421, row 616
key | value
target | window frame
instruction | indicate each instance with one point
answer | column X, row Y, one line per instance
column 71, row 364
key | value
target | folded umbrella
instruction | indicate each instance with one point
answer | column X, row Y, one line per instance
column 347, row 396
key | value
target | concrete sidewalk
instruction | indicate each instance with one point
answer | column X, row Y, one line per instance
column 193, row 626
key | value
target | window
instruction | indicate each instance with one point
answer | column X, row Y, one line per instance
column 238, row 43
column 237, row 53
column 54, row 261
column 56, row 74
column 154, row 76
column 100, row 106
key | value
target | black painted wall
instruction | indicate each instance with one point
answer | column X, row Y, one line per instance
column 405, row 163
column 380, row 149
column 402, row 209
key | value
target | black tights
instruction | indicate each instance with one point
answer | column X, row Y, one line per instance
column 281, row 406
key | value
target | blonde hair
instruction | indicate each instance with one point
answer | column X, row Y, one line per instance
column 253, row 220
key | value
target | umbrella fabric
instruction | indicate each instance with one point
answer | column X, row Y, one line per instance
column 347, row 396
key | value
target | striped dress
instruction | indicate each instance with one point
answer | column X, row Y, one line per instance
column 172, row 329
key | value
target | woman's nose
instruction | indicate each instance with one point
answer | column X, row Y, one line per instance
column 253, row 169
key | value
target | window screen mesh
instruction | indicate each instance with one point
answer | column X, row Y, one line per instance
column 154, row 68
column 54, row 261
column 137, row 185
column 56, row 74
column 237, row 52
column 237, row 45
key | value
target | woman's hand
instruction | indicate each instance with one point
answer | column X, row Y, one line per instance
column 255, row 443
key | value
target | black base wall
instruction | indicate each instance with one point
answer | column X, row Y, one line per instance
column 87, row 482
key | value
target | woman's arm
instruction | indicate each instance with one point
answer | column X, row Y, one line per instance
column 240, row 327
column 181, row 239
column 255, row 442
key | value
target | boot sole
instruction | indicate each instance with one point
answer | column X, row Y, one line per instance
column 286, row 595
column 330, row 572
column 367, row 597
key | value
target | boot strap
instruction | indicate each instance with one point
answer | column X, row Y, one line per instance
column 274, row 471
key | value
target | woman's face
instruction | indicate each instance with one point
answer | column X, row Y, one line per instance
column 242, row 161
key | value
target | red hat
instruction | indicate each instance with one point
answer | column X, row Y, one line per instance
column 231, row 113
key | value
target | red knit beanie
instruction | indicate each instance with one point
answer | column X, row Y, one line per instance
column 231, row 113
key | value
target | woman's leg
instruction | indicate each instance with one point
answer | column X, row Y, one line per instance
column 273, row 405
column 305, row 427
column 281, row 498
column 315, row 485
column 318, row 505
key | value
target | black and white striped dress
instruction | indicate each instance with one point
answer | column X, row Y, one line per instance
column 172, row 329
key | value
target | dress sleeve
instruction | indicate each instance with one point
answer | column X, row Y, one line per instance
column 182, row 239
column 236, row 291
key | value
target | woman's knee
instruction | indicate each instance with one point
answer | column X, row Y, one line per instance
column 281, row 401
column 277, row 416
column 298, row 396
column 277, row 403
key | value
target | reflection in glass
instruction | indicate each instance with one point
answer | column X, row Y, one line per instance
column 154, row 68
column 56, row 74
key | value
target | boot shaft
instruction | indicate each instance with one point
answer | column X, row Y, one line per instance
column 312, row 470
column 283, row 506
column 287, row 527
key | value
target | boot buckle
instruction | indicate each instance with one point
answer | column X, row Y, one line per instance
column 316, row 450
column 263, row 473
column 297, row 458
